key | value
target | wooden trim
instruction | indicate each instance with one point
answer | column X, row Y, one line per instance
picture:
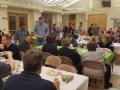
column 17, row 15
column 96, row 20
column 74, row 20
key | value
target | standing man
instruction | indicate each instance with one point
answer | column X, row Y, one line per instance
column 65, row 29
column 71, row 30
column 41, row 31
column 90, row 30
column 21, row 33
column 95, row 29
column 80, row 27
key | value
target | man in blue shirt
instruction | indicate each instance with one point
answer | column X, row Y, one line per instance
column 21, row 33
column 30, row 79
column 57, row 31
column 41, row 31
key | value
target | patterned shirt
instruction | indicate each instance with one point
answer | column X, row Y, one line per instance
column 21, row 34
column 41, row 29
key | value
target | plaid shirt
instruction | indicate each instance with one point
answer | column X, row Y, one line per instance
column 21, row 34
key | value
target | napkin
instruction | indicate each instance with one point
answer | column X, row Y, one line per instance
column 67, row 78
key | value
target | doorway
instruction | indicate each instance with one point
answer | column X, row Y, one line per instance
column 100, row 19
column 15, row 20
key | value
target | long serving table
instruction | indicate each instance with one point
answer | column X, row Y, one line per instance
column 107, row 59
column 79, row 82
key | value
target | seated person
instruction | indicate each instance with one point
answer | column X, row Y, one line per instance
column 8, row 46
column 81, row 36
column 100, row 35
column 12, row 37
column 106, row 42
column 97, row 56
column 49, row 46
column 70, row 53
column 95, row 39
column 111, row 36
column 25, row 44
column 1, row 34
column 6, row 68
column 29, row 79
column 117, row 39
column 52, row 33
column 57, row 31
column 56, row 40
column 72, row 40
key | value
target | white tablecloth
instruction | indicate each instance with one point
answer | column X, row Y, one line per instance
column 117, row 48
column 78, row 83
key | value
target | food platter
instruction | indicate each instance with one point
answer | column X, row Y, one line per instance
column 53, row 72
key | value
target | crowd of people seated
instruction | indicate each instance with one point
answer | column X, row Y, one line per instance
column 66, row 37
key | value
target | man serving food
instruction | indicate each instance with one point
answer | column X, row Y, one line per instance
column 41, row 31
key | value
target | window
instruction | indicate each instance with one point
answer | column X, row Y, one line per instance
column 15, row 20
column 47, row 19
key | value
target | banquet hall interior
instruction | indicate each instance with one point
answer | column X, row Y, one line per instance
column 78, row 44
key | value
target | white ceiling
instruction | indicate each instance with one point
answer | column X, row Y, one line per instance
column 58, row 4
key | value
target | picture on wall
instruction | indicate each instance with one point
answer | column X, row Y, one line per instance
column 116, row 22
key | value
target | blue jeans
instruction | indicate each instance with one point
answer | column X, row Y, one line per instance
column 40, row 41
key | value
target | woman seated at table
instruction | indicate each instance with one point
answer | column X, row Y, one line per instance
column 56, row 40
column 95, row 39
column 81, row 36
column 96, row 55
column 106, row 42
column 101, row 32
column 50, row 47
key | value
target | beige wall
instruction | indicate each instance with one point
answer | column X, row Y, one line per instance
column 65, row 19
column 57, row 18
column 29, row 13
column 3, row 22
column 32, row 17
column 80, row 17
column 110, row 15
